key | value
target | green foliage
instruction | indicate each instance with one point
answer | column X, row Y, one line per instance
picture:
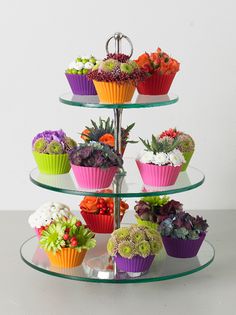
column 52, row 238
column 156, row 201
column 157, row 146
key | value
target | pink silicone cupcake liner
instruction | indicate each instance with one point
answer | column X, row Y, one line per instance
column 155, row 175
column 182, row 248
column 94, row 177
column 80, row 85
column 157, row 84
column 37, row 232
column 99, row 223
column 135, row 264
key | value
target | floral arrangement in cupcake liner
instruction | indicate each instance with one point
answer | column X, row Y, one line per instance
column 185, row 141
column 103, row 132
column 52, row 142
column 67, row 233
column 158, row 61
column 82, row 65
column 161, row 152
column 156, row 209
column 102, row 205
column 183, row 225
column 47, row 213
column 117, row 68
column 95, row 154
column 134, row 240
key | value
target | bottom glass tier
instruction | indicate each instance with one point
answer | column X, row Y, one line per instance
column 98, row 267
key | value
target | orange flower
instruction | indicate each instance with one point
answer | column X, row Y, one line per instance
column 89, row 204
column 143, row 59
column 108, row 139
column 84, row 133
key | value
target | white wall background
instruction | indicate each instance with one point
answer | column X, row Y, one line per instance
column 39, row 38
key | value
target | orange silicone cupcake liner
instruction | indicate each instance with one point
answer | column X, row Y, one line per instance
column 67, row 258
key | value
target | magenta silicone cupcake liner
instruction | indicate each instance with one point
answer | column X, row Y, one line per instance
column 182, row 248
column 155, row 175
column 135, row 264
column 94, row 177
column 37, row 232
column 156, row 84
column 80, row 84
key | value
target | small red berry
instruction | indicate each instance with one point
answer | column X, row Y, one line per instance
column 66, row 236
column 40, row 230
column 78, row 224
column 67, row 230
column 73, row 239
column 74, row 243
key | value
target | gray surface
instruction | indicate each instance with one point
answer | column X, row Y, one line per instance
column 25, row 291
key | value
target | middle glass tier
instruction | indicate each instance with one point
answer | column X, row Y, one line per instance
column 138, row 101
column 132, row 185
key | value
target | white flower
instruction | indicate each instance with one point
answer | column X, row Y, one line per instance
column 47, row 213
column 79, row 65
column 88, row 65
column 146, row 157
column 160, row 158
column 176, row 157
column 72, row 65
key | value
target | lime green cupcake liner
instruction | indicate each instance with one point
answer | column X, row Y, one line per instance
column 149, row 224
column 187, row 157
column 52, row 163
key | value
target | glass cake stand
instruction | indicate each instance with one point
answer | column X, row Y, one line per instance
column 97, row 266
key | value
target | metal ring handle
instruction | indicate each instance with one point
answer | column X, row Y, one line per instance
column 118, row 37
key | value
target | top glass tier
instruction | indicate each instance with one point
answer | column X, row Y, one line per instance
column 138, row 101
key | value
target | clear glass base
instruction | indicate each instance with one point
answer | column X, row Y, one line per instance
column 98, row 267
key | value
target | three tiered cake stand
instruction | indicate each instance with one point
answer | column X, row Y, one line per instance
column 97, row 265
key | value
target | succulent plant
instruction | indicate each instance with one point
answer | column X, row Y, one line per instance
column 105, row 128
column 134, row 240
column 67, row 233
column 157, row 146
column 156, row 209
column 182, row 225
column 52, row 142
column 117, row 68
column 94, row 154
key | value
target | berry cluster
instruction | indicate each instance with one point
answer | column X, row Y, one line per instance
column 105, row 207
column 71, row 240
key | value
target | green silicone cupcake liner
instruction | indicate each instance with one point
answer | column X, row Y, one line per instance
column 187, row 157
column 149, row 224
column 52, row 163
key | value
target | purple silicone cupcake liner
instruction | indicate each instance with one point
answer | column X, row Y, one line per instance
column 80, row 84
column 182, row 248
column 135, row 264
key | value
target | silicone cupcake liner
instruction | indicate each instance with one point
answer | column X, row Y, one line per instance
column 114, row 93
column 99, row 223
column 155, row 175
column 187, row 157
column 135, row 264
column 182, row 248
column 80, row 84
column 67, row 258
column 52, row 163
column 148, row 224
column 37, row 232
column 156, row 84
column 94, row 177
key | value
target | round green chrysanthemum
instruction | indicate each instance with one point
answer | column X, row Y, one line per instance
column 112, row 247
column 121, row 233
column 126, row 249
column 126, row 68
column 137, row 235
column 133, row 64
column 40, row 145
column 152, row 234
column 69, row 143
column 143, row 249
column 108, row 65
column 186, row 143
column 54, row 147
column 156, row 246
